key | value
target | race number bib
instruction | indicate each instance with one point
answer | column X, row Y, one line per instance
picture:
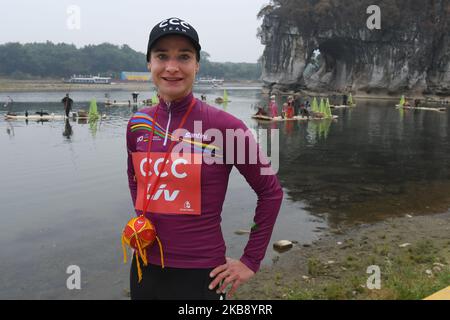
column 178, row 190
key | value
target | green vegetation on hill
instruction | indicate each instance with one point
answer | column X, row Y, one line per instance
column 63, row 60
column 49, row 60
column 313, row 16
column 229, row 70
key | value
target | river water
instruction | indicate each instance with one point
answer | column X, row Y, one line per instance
column 64, row 196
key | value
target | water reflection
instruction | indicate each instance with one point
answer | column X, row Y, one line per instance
column 67, row 129
column 369, row 164
column 93, row 127
column 10, row 130
column 225, row 105
column 373, row 162
column 318, row 130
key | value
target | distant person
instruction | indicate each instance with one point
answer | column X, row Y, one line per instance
column 273, row 108
column 308, row 107
column 261, row 112
column 290, row 102
column 344, row 99
column 417, row 103
column 284, row 110
column 301, row 108
column 67, row 104
column 406, row 103
column 203, row 97
column 297, row 103
column 135, row 96
column 290, row 111
column 304, row 112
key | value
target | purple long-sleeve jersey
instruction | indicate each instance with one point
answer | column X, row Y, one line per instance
column 196, row 240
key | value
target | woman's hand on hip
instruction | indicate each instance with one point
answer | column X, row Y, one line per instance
column 233, row 273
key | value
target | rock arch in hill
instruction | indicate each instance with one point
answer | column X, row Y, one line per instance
column 410, row 54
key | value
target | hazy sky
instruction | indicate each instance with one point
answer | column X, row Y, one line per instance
column 227, row 28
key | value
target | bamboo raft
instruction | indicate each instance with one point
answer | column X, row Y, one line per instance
column 295, row 118
column 421, row 108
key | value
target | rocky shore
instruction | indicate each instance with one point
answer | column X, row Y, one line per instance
column 359, row 95
column 411, row 252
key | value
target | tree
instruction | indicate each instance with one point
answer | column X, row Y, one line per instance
column 63, row 60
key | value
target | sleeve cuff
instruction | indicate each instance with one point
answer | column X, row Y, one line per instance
column 252, row 266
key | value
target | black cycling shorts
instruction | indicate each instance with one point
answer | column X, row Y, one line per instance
column 171, row 283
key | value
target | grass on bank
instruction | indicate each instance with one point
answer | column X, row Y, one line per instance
column 404, row 274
